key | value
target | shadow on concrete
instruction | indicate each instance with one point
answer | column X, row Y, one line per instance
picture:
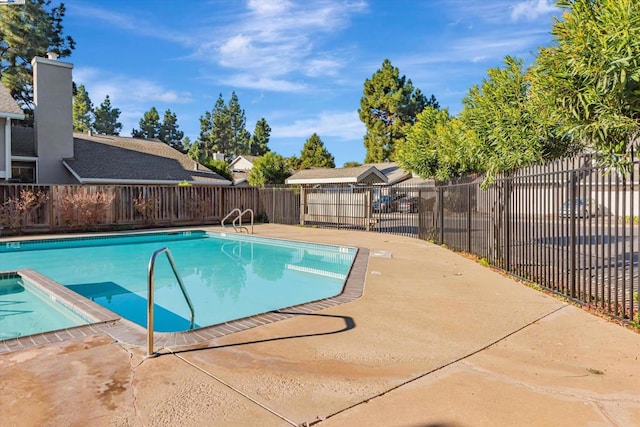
column 349, row 324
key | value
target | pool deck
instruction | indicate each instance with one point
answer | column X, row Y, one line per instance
column 435, row 340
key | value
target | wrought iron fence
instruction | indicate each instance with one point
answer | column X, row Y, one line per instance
column 569, row 226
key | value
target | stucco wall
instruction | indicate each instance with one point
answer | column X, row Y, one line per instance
column 53, row 124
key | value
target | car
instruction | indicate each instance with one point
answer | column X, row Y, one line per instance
column 582, row 208
column 386, row 203
column 408, row 205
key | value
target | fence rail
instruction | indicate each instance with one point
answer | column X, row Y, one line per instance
column 569, row 226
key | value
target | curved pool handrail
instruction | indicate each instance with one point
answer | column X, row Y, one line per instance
column 239, row 218
column 150, row 283
column 229, row 214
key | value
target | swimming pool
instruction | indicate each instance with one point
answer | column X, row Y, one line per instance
column 26, row 310
column 228, row 276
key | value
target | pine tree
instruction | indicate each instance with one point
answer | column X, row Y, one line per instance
column 388, row 108
column 221, row 133
column 315, row 155
column 81, row 112
column 169, row 133
column 106, row 119
column 204, row 143
column 30, row 30
column 149, row 125
column 259, row 141
column 239, row 143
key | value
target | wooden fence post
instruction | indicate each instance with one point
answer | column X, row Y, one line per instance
column 303, row 203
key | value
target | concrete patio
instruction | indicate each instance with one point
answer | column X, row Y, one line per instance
column 436, row 340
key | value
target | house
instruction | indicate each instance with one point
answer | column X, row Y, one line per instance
column 394, row 173
column 360, row 175
column 242, row 163
column 50, row 153
column 9, row 110
column 240, row 167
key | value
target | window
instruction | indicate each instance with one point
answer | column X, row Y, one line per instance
column 23, row 172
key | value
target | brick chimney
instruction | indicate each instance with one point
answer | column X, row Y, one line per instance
column 52, row 95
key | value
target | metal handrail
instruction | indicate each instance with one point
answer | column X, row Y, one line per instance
column 152, row 264
column 229, row 214
column 239, row 217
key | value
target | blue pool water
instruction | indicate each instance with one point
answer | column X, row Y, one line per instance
column 26, row 310
column 228, row 276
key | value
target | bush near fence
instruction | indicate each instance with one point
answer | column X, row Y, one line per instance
column 64, row 208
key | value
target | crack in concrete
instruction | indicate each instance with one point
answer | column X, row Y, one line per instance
column 240, row 392
column 136, row 410
column 597, row 401
column 453, row 362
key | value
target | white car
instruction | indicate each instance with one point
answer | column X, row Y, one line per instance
column 582, row 208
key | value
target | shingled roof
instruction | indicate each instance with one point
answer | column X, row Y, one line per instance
column 8, row 106
column 100, row 159
column 394, row 173
column 360, row 174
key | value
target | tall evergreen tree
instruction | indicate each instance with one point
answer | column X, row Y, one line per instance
column 81, row 112
column 239, row 143
column 260, row 139
column 204, row 143
column 30, row 30
column 388, row 108
column 215, row 130
column 149, row 125
column 315, row 155
column 169, row 133
column 221, row 133
column 106, row 119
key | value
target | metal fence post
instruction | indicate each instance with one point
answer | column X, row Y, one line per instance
column 441, row 213
column 572, row 236
column 507, row 224
column 469, row 218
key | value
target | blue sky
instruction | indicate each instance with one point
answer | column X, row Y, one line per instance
column 300, row 64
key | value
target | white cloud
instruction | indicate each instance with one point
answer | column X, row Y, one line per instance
column 342, row 125
column 268, row 8
column 130, row 22
column 133, row 96
column 121, row 88
column 531, row 9
column 252, row 81
column 279, row 40
column 274, row 40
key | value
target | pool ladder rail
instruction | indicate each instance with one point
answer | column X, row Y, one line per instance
column 237, row 221
column 150, row 283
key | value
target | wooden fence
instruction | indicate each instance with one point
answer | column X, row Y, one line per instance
column 61, row 208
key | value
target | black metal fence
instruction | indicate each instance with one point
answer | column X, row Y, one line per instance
column 570, row 226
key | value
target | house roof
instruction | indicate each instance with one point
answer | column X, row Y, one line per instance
column 416, row 181
column 361, row 174
column 248, row 158
column 8, row 106
column 113, row 159
column 392, row 171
